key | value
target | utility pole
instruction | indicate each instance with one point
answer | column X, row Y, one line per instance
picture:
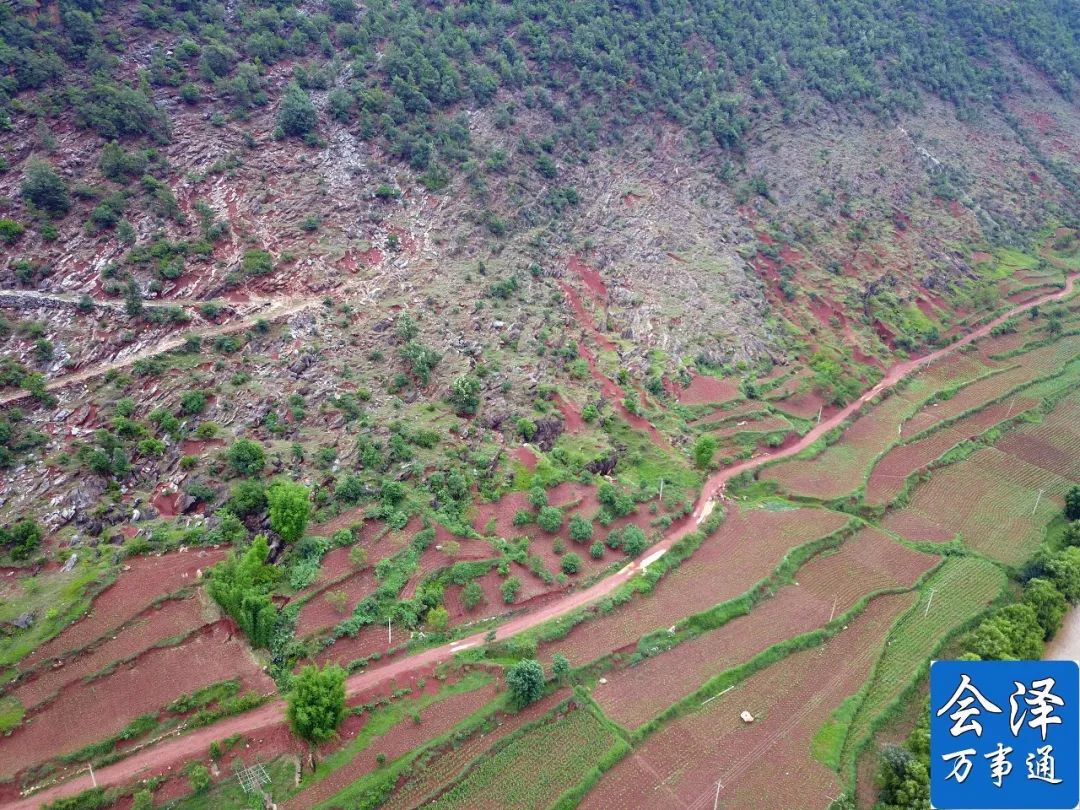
column 716, row 801
column 833, row 611
column 389, row 634
column 928, row 602
column 1039, row 498
column 819, row 410
column 92, row 777
column 661, row 489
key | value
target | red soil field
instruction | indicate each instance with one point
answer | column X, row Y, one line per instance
column 766, row 763
column 144, row 580
column 173, row 618
column 827, row 585
column 768, row 424
column 888, row 476
column 437, row 556
column 435, row 720
column 318, row 613
column 744, row 410
column 745, row 549
column 706, row 390
column 1053, row 445
column 441, row 771
column 806, row 405
column 83, row 713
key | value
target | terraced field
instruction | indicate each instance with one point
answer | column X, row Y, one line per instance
column 960, row 590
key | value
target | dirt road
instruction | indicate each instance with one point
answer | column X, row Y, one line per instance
column 152, row 760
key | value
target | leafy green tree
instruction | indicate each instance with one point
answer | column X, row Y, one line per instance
column 472, row 595
column 560, row 667
column 465, row 395
column 437, row 619
column 296, row 114
column 538, row 498
column 316, row 704
column 193, row 402
column 550, row 519
column 289, row 504
column 704, row 450
column 570, row 563
column 581, row 529
column 1012, row 633
column 1049, row 604
column 45, row 189
column 22, row 539
column 1064, row 571
column 525, row 680
column 509, row 589
column 1072, row 504
column 633, row 541
column 241, row 584
column 246, row 457
column 247, row 498
column 904, row 780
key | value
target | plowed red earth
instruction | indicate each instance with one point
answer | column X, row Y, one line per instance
column 827, row 585
column 708, row 390
column 147, row 579
column 744, row 550
column 83, row 713
column 888, row 476
column 318, row 613
column 680, row 765
column 176, row 617
column 435, row 720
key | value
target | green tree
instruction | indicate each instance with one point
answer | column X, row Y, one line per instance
column 1072, row 504
column 22, row 539
column 550, row 519
column 538, row 498
column 1064, row 571
column 581, row 529
column 465, row 395
column 560, row 667
column 525, row 680
column 633, row 541
column 45, row 189
column 289, row 504
column 509, row 589
column 904, row 780
column 437, row 619
column 472, row 595
column 241, row 585
column 704, row 450
column 247, row 457
column 247, row 498
column 296, row 114
column 193, row 402
column 316, row 704
column 570, row 563
column 1049, row 605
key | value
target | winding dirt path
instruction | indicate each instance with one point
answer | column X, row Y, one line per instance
column 152, row 760
column 267, row 310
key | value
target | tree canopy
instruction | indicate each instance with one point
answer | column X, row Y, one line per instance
column 316, row 704
column 289, row 509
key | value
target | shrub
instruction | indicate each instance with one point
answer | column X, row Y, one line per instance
column 296, row 115
column 550, row 519
column 246, row 457
column 192, row 402
column 581, row 529
column 358, row 556
column 509, row 589
column 538, row 497
column 633, row 541
column 44, row 188
column 258, row 263
column 525, row 680
column 10, row 231
column 472, row 595
column 596, row 550
column 247, row 498
column 570, row 563
column 198, row 777
column 289, row 508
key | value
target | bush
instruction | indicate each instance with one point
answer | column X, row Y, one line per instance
column 525, row 680
column 192, row 402
column 22, row 539
column 289, row 506
column 258, row 263
column 246, row 457
column 633, row 541
column 509, row 589
column 247, row 498
column 10, row 231
column 296, row 115
column 198, row 777
column 596, row 550
column 581, row 529
column 538, row 498
column 43, row 188
column 550, row 519
column 472, row 595
column 570, row 563
column 465, row 395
